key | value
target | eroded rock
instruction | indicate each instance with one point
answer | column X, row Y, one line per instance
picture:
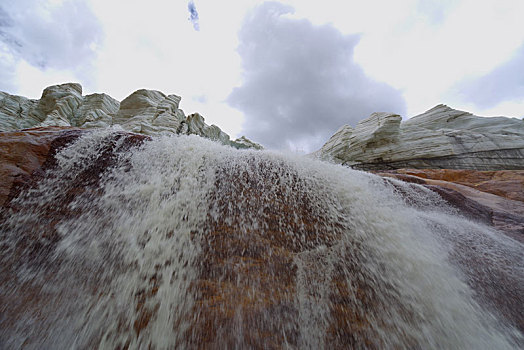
column 441, row 138
column 147, row 112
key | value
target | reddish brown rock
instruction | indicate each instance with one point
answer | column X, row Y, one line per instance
column 23, row 152
column 505, row 183
column 248, row 280
column 27, row 156
column 493, row 197
column 474, row 194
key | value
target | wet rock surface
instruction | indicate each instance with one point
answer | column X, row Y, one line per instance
column 257, row 240
column 23, row 153
column 492, row 197
column 462, row 190
column 507, row 184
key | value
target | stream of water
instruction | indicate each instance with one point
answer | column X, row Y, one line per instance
column 184, row 243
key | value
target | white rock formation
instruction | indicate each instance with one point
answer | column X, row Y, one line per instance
column 439, row 138
column 244, row 142
column 196, row 125
column 17, row 112
column 150, row 112
column 96, row 111
column 146, row 112
column 59, row 104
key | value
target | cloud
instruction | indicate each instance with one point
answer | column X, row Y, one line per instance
column 48, row 35
column 193, row 15
column 435, row 11
column 300, row 83
column 7, row 46
column 504, row 83
column 200, row 98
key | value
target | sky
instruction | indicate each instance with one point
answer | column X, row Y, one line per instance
column 286, row 74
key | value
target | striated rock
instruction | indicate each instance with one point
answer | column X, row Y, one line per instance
column 147, row 112
column 150, row 112
column 336, row 145
column 441, row 138
column 17, row 112
column 96, row 111
column 379, row 130
column 59, row 104
column 243, row 142
column 195, row 125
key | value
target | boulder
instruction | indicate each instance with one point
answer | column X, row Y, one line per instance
column 197, row 126
column 441, row 138
column 59, row 104
column 244, row 142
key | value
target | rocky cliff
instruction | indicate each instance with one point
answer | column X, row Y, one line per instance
column 441, row 138
column 147, row 112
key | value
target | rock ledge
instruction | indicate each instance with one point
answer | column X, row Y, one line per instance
column 441, row 138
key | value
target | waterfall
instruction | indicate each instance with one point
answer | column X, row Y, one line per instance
column 183, row 243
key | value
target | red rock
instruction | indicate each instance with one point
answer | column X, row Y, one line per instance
column 23, row 152
column 493, row 197
column 505, row 183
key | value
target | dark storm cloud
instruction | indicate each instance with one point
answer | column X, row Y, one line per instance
column 60, row 37
column 504, row 83
column 300, row 83
column 193, row 15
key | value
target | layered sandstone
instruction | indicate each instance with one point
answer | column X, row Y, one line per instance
column 441, row 138
column 147, row 112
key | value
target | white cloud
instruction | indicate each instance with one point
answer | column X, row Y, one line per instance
column 153, row 45
column 425, row 59
column 54, row 35
column 500, row 91
column 300, row 83
column 420, row 47
column 24, row 71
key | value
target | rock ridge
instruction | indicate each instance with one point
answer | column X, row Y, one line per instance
column 440, row 138
column 147, row 112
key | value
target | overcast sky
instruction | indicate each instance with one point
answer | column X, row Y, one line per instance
column 286, row 74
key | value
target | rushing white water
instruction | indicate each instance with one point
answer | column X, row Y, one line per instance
column 123, row 264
